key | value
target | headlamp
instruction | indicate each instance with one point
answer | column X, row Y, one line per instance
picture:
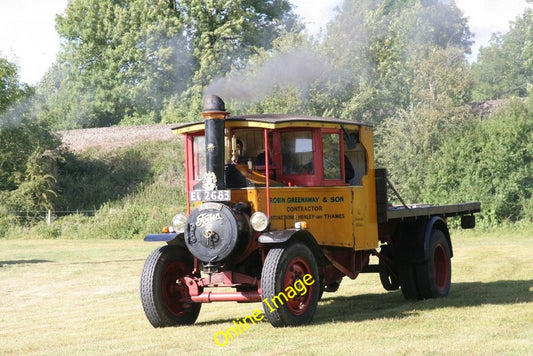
column 178, row 223
column 259, row 221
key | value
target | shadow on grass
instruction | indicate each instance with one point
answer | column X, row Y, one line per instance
column 221, row 321
column 22, row 262
column 393, row 305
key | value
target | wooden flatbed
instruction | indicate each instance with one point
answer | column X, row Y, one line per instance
column 415, row 211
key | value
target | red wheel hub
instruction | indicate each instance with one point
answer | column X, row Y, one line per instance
column 174, row 288
column 441, row 265
column 296, row 270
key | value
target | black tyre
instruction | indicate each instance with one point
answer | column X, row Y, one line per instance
column 434, row 275
column 164, row 295
column 283, row 267
column 407, row 279
column 387, row 274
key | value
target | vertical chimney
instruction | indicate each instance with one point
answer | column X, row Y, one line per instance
column 214, row 114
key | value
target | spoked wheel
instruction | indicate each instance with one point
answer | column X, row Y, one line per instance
column 164, row 295
column 434, row 275
column 289, row 300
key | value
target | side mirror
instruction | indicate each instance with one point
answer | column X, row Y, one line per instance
column 468, row 222
column 349, row 140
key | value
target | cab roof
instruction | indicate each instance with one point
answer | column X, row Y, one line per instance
column 273, row 121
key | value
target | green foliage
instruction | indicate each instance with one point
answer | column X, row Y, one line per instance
column 442, row 77
column 490, row 160
column 368, row 65
column 36, row 188
column 119, row 59
column 125, row 61
column 442, row 155
column 505, row 68
column 379, row 46
column 29, row 152
column 135, row 191
column 29, row 159
column 11, row 90
column 223, row 35
column 93, row 178
column 407, row 142
column 144, row 209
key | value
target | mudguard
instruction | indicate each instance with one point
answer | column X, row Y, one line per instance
column 171, row 238
column 282, row 236
column 438, row 223
column 276, row 237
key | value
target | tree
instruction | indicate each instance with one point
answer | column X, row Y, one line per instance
column 379, row 45
column 119, row 60
column 490, row 160
column 278, row 79
column 124, row 61
column 222, row 36
column 29, row 157
column 368, row 66
column 442, row 78
column 408, row 141
column 28, row 150
column 505, row 68
column 11, row 90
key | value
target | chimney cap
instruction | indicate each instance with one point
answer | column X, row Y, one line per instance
column 213, row 103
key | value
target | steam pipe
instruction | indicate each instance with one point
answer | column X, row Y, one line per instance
column 214, row 114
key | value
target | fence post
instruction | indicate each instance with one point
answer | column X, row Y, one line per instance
column 49, row 217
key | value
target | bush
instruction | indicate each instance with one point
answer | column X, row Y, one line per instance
column 136, row 191
column 407, row 142
column 490, row 160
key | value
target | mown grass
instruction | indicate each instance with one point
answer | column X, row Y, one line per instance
column 65, row 297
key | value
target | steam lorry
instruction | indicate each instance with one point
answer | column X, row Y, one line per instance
column 272, row 199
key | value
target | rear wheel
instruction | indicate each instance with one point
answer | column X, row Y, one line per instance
column 289, row 300
column 407, row 280
column 434, row 275
column 387, row 274
column 164, row 295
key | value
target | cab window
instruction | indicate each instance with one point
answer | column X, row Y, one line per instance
column 297, row 152
column 199, row 162
column 331, row 156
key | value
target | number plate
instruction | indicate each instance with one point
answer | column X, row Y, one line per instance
column 210, row 195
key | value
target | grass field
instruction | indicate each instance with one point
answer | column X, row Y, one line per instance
column 65, row 297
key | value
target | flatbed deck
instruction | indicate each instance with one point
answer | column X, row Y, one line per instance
column 415, row 211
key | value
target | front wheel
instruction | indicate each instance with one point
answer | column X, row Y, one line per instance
column 164, row 295
column 290, row 285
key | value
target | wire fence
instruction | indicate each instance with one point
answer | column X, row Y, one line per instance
column 32, row 217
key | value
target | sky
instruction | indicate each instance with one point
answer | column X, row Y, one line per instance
column 28, row 37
